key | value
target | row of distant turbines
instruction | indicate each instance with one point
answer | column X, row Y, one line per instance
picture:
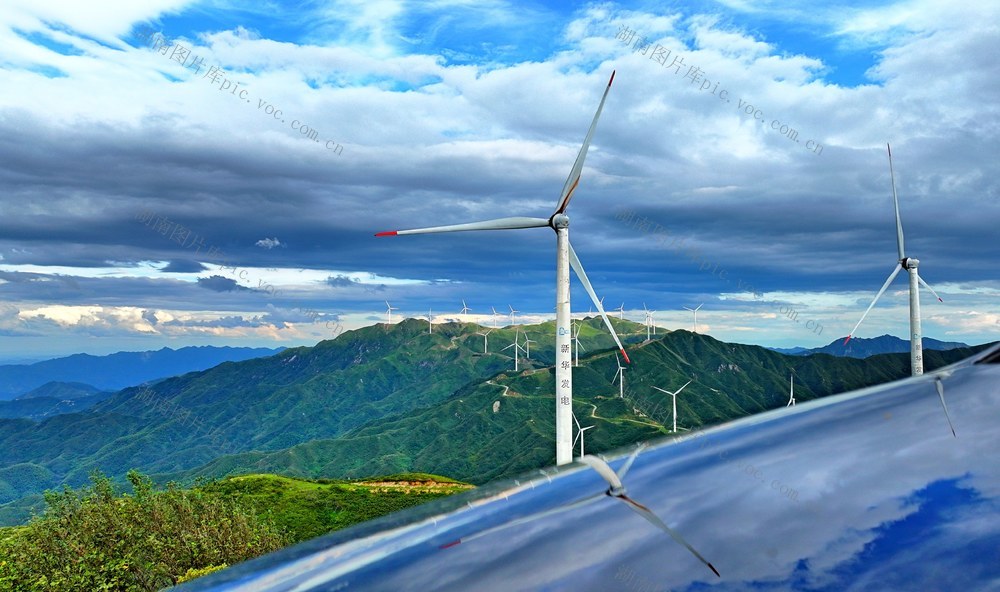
column 649, row 322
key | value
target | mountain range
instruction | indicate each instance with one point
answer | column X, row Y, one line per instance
column 390, row 399
column 119, row 370
column 859, row 347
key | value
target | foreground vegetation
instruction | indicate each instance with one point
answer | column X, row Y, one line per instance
column 98, row 538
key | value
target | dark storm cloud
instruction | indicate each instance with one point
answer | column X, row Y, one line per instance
column 217, row 283
column 183, row 266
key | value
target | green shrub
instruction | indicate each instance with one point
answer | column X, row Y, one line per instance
column 98, row 539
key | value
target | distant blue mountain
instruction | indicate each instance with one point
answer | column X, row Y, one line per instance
column 789, row 351
column 119, row 370
column 859, row 347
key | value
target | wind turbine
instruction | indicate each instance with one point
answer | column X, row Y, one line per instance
column 674, row 395
column 620, row 376
column 910, row 265
column 695, row 311
column 576, row 340
column 791, row 390
column 579, row 433
column 565, row 258
column 649, row 320
column 527, row 346
column 430, row 323
column 512, row 313
column 485, row 338
column 516, row 346
column 388, row 312
column 621, row 312
column 495, row 315
column 465, row 309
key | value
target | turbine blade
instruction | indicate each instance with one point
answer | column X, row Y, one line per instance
column 939, row 385
column 682, row 388
column 603, row 469
column 895, row 202
column 655, row 521
column 928, row 286
column 574, row 261
column 631, row 459
column 497, row 224
column 892, row 276
column 574, row 175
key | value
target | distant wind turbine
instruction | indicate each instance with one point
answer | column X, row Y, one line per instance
column 695, row 311
column 516, row 346
column 512, row 313
column 621, row 312
column 565, row 258
column 388, row 312
column 620, row 376
column 485, row 339
column 910, row 265
column 674, row 396
column 495, row 315
column 791, row 390
column 576, row 341
column 649, row 320
column 527, row 346
column 579, row 433
column 465, row 309
column 430, row 321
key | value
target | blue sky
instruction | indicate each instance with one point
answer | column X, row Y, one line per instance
column 128, row 178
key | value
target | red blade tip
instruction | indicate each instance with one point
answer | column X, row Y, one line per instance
column 612, row 77
column 627, row 361
column 387, row 233
column 846, row 340
column 451, row 544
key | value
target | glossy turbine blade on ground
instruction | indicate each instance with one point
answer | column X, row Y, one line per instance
column 939, row 385
column 574, row 262
column 617, row 490
column 885, row 286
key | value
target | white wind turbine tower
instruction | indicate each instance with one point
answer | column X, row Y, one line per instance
column 791, row 391
column 579, row 433
column 910, row 265
column 576, row 341
column 495, row 315
column 388, row 312
column 430, row 322
column 649, row 320
column 512, row 313
column 695, row 311
column 621, row 312
column 565, row 258
column 516, row 346
column 674, row 395
column 485, row 339
column 620, row 376
column 465, row 309
column 527, row 346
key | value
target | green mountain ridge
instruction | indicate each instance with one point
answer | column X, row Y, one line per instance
column 388, row 399
column 737, row 380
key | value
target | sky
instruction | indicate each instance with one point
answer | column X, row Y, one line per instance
column 181, row 172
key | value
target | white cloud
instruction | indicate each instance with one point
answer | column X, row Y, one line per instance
column 269, row 243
